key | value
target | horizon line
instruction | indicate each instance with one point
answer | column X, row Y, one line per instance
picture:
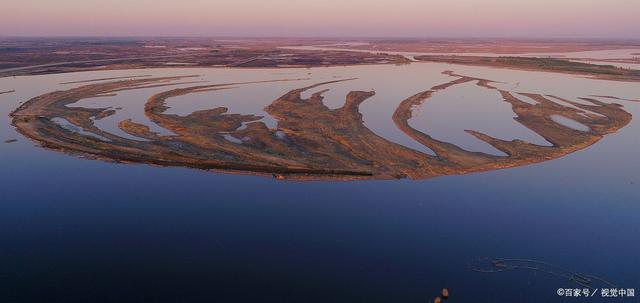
column 594, row 38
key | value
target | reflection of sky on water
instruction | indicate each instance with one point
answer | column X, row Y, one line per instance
column 468, row 106
column 179, row 234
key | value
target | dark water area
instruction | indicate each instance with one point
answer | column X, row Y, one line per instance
column 78, row 230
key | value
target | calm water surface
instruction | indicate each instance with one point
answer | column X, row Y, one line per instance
column 76, row 230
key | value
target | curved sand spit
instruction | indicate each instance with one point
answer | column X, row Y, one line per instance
column 311, row 142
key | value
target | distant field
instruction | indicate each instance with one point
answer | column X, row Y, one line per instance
column 47, row 56
column 30, row 56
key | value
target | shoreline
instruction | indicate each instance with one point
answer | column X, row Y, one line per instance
column 594, row 71
column 607, row 71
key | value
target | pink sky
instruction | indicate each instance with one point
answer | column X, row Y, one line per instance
column 351, row 18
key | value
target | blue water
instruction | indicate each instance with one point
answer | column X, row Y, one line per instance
column 77, row 230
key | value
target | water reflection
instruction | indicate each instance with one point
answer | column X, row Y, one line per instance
column 75, row 228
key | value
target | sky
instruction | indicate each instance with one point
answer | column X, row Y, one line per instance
column 323, row 18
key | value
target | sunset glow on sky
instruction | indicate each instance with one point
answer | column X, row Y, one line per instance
column 347, row 18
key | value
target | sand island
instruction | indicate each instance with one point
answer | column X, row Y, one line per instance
column 311, row 141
